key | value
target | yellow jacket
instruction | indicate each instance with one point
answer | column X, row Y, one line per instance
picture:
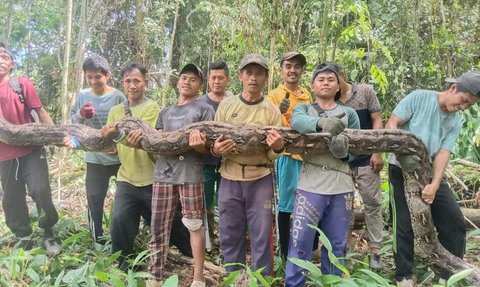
column 277, row 95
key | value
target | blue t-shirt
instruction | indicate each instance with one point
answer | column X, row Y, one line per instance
column 102, row 105
column 423, row 117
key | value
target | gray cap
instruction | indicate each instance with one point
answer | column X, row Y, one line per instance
column 7, row 50
column 470, row 81
column 194, row 69
column 327, row 66
column 292, row 55
column 253, row 59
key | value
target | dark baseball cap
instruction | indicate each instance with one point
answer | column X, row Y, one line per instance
column 6, row 49
column 194, row 69
column 470, row 81
column 293, row 55
column 327, row 66
column 253, row 59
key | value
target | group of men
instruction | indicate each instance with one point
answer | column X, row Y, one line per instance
column 314, row 188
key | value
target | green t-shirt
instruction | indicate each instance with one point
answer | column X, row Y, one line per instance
column 136, row 164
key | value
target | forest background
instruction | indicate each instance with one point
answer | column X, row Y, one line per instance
column 395, row 45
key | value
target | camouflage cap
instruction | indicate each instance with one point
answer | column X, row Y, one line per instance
column 292, row 55
column 253, row 59
column 194, row 69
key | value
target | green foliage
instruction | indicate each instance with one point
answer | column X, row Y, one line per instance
column 76, row 265
column 254, row 278
column 360, row 276
column 468, row 143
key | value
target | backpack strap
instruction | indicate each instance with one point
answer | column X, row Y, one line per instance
column 320, row 111
column 15, row 85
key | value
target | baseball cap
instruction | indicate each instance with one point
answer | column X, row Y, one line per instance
column 6, row 49
column 253, row 59
column 294, row 54
column 192, row 68
column 470, row 81
column 326, row 66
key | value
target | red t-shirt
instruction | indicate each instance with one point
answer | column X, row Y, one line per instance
column 16, row 112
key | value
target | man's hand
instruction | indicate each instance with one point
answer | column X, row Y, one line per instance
column 477, row 198
column 70, row 141
column 110, row 131
column 333, row 125
column 134, row 138
column 87, row 111
column 376, row 162
column 409, row 162
column 285, row 104
column 274, row 141
column 197, row 141
column 429, row 192
column 222, row 146
column 339, row 146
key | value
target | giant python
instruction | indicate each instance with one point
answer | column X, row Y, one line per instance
column 253, row 138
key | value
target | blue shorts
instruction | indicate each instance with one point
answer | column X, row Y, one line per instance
column 288, row 170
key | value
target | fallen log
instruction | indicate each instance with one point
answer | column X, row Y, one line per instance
column 471, row 215
column 253, row 139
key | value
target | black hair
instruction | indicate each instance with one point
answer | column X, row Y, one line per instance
column 219, row 65
column 462, row 89
column 134, row 66
column 96, row 62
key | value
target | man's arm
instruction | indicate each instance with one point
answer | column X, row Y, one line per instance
column 43, row 116
column 376, row 161
column 394, row 123
column 439, row 166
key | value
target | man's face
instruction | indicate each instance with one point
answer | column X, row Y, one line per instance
column 189, row 85
column 6, row 63
column 291, row 71
column 458, row 101
column 218, row 81
column 134, row 84
column 325, row 85
column 253, row 78
column 96, row 80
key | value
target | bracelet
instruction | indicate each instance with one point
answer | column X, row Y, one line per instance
column 119, row 137
column 214, row 154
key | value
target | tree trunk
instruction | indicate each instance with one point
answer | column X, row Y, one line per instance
column 79, row 55
column 8, row 25
column 170, row 54
column 139, row 35
column 253, row 139
column 66, row 62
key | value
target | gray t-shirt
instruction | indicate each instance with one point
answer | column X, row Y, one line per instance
column 323, row 173
column 102, row 105
column 186, row 167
